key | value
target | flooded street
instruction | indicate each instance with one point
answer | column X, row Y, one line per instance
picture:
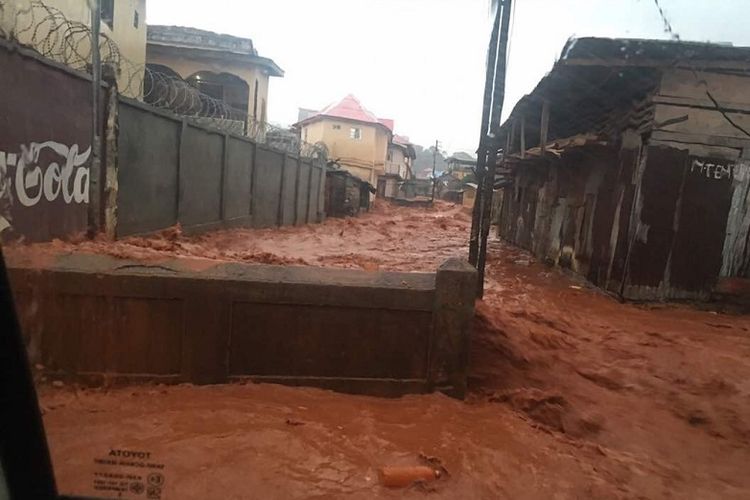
column 572, row 394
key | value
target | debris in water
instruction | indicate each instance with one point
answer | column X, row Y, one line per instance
column 403, row 476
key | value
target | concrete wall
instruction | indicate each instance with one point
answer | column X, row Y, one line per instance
column 170, row 170
column 45, row 146
column 97, row 318
column 303, row 192
column 268, row 172
column 148, row 171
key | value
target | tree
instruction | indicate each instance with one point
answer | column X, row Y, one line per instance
column 423, row 161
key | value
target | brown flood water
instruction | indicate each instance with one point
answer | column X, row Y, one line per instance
column 573, row 395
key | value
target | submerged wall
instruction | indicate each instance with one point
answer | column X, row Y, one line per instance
column 97, row 318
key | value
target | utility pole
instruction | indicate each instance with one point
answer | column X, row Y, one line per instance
column 95, row 169
column 434, row 162
column 489, row 78
column 494, row 94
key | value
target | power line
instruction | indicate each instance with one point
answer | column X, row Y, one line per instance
column 667, row 24
column 668, row 28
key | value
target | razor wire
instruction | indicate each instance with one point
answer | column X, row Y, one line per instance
column 47, row 30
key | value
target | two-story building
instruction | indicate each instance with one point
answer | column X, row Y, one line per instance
column 461, row 165
column 354, row 137
column 123, row 22
column 225, row 67
column 398, row 167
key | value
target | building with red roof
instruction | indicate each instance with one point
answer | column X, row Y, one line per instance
column 355, row 138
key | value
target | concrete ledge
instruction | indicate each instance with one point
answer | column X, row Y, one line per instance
column 382, row 333
column 412, row 202
column 388, row 388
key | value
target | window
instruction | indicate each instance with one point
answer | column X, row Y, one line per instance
column 336, row 127
column 355, row 133
column 135, row 19
column 107, row 9
column 390, row 156
column 304, row 134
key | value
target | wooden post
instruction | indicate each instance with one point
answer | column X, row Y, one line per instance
column 491, row 149
column 489, row 78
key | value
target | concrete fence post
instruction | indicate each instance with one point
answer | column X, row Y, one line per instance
column 253, row 180
column 179, row 192
column 455, row 291
column 321, row 194
column 311, row 166
column 280, row 206
column 111, row 183
column 296, row 191
column 223, row 178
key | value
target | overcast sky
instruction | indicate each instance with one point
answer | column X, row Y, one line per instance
column 421, row 62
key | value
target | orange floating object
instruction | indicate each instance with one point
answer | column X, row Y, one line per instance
column 400, row 477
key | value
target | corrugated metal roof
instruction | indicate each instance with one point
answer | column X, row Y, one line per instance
column 601, row 85
column 650, row 52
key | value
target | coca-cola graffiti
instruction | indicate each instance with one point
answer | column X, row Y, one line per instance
column 45, row 150
column 39, row 171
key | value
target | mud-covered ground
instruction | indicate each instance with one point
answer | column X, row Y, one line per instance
column 386, row 238
column 573, row 395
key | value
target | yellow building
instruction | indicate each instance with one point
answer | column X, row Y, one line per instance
column 354, row 136
column 225, row 67
column 123, row 22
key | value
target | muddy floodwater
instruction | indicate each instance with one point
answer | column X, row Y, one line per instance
column 572, row 394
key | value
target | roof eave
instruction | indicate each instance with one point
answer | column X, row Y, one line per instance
column 265, row 62
column 319, row 117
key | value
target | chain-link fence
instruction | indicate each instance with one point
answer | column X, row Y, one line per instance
column 52, row 34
